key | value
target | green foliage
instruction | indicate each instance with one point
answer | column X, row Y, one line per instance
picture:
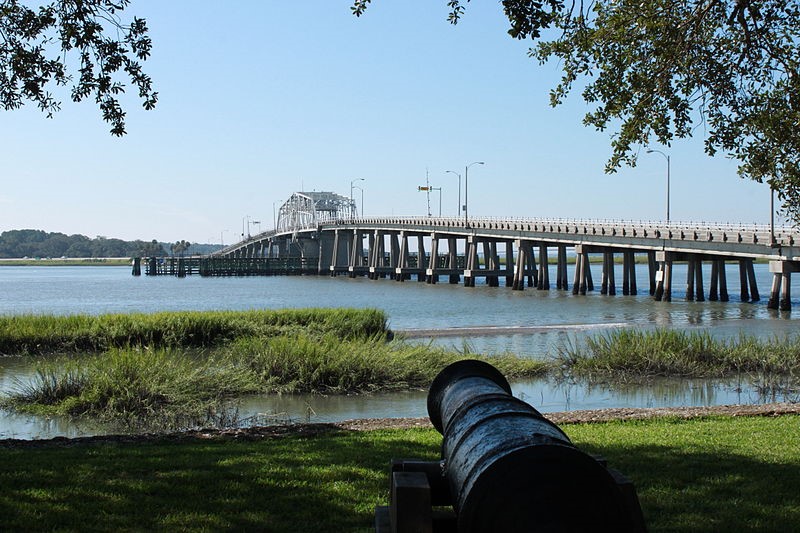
column 43, row 334
column 701, row 476
column 179, row 247
column 37, row 243
column 663, row 352
column 36, row 44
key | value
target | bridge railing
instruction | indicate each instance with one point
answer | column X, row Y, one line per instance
column 459, row 221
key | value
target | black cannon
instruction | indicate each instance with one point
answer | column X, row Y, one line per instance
column 504, row 468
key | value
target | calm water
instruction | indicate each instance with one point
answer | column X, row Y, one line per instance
column 557, row 316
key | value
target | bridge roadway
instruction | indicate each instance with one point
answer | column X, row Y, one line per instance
column 497, row 248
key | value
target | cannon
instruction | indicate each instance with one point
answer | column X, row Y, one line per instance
column 504, row 468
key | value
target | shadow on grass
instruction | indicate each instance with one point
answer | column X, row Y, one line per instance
column 332, row 482
column 328, row 482
column 691, row 491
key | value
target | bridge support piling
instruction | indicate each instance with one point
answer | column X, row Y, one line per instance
column 452, row 260
column 608, row 285
column 629, row 273
column 712, row 289
column 690, row 268
column 472, row 261
column 723, row 282
column 509, row 264
column 519, row 267
column 699, row 288
column 422, row 260
column 786, row 292
column 433, row 265
column 718, row 291
column 663, row 278
column 544, row 269
column 561, row 268
column 576, row 282
column 781, row 293
column 531, row 271
column 651, row 271
column 747, row 280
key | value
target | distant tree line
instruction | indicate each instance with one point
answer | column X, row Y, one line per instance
column 37, row 243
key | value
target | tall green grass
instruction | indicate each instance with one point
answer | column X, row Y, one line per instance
column 674, row 353
column 43, row 334
column 179, row 388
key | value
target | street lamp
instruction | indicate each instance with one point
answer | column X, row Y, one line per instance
column 458, row 211
column 362, row 198
column 466, row 190
column 667, row 158
column 351, row 190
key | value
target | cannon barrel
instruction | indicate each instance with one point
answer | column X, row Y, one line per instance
column 510, row 469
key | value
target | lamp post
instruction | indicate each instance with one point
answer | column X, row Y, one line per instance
column 667, row 158
column 246, row 226
column 221, row 239
column 466, row 190
column 351, row 190
column 362, row 198
column 771, row 214
column 458, row 211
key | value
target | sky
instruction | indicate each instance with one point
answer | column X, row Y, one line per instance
column 262, row 98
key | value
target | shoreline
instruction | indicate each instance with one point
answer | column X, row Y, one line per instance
column 591, row 416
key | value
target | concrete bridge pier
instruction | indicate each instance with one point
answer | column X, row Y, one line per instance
column 718, row 291
column 519, row 265
column 583, row 271
column 652, row 268
column 607, row 282
column 375, row 251
column 472, row 261
column 326, row 247
column 561, row 269
column 694, row 278
column 543, row 281
column 422, row 259
column 747, row 280
column 629, row 273
column 509, row 263
column 781, row 292
column 394, row 253
column 401, row 259
column 452, row 259
column 342, row 245
column 431, row 276
column 663, row 278
column 491, row 262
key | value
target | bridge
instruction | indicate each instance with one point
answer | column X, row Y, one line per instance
column 321, row 233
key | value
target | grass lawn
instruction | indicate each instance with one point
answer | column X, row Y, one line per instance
column 713, row 474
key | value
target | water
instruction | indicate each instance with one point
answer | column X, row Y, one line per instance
column 534, row 323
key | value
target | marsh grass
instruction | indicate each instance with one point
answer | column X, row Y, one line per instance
column 630, row 353
column 304, row 363
column 135, row 385
column 46, row 334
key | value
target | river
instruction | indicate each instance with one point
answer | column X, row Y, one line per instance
column 530, row 322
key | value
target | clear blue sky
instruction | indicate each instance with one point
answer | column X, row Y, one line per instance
column 261, row 98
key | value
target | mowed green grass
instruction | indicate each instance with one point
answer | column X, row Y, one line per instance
column 703, row 475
